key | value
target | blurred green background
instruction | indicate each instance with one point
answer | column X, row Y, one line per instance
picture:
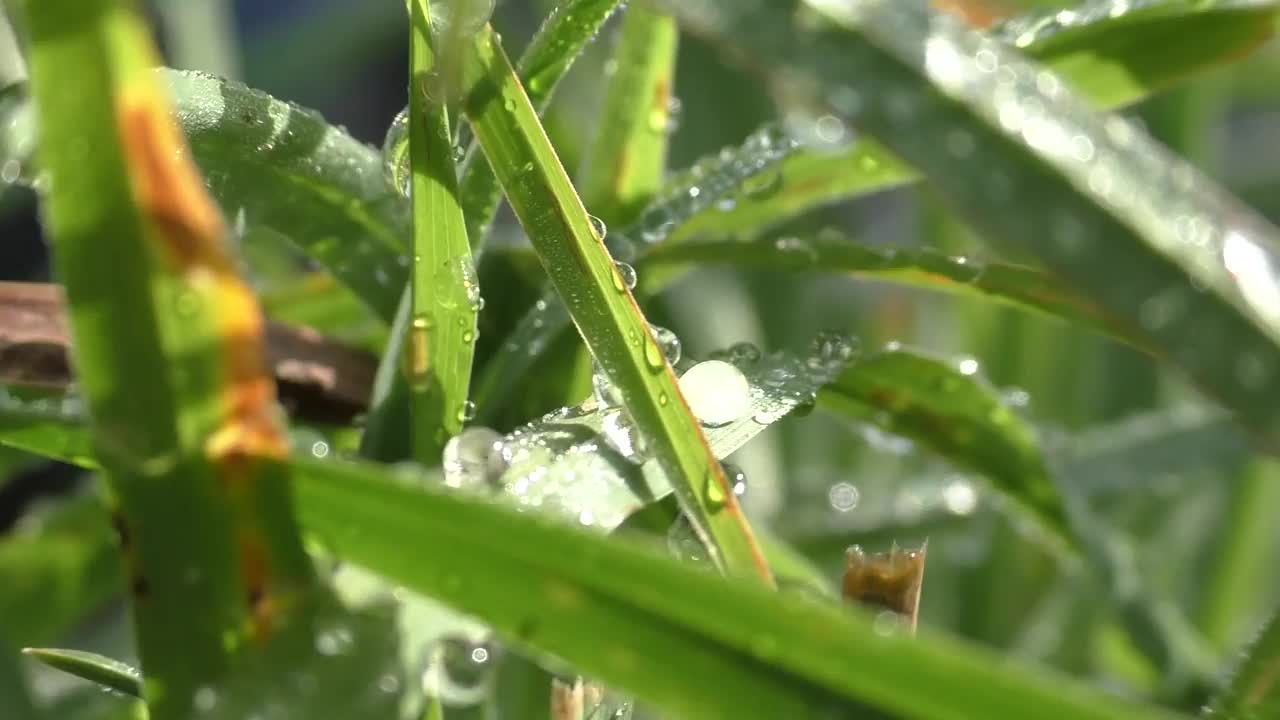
column 1126, row 434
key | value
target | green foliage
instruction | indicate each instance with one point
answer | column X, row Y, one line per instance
column 451, row 570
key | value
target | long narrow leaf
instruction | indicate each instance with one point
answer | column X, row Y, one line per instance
column 608, row 608
column 539, row 191
column 445, row 296
column 629, row 156
column 1253, row 690
column 950, row 410
column 1112, row 55
column 1171, row 255
column 831, row 251
column 552, row 51
column 169, row 348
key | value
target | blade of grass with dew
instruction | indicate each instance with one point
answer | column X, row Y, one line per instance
column 544, row 200
column 1253, row 687
column 109, row 673
column 168, row 349
column 554, row 48
column 830, row 251
column 1111, row 56
column 707, row 182
column 953, row 411
column 1113, row 221
column 445, row 296
column 629, row 155
column 605, row 605
column 961, row 418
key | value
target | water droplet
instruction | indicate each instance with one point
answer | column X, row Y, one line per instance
column 736, row 477
column 717, row 392
column 713, row 492
column 320, row 449
column 598, row 227
column 471, row 459
column 843, row 497
column 395, row 153
column 467, row 411
column 967, row 366
column 461, row 670
column 668, row 342
column 459, row 152
column 625, row 278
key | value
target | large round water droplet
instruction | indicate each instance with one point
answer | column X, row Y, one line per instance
column 625, row 278
column 468, row 457
column 717, row 392
column 736, row 477
column 598, row 227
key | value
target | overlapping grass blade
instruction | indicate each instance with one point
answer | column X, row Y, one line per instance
column 1111, row 55
column 110, row 674
column 951, row 410
column 168, row 350
column 1253, row 687
column 711, row 180
column 507, row 127
column 629, row 156
column 554, row 48
column 605, row 607
column 832, row 252
column 1162, row 248
column 445, row 294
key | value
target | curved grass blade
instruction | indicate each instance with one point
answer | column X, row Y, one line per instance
column 107, row 672
column 555, row 46
column 953, row 412
column 445, row 295
column 629, row 156
column 1171, row 255
column 1111, row 55
column 277, row 165
column 584, row 275
column 1253, row 690
column 831, row 251
column 605, row 606
column 169, row 351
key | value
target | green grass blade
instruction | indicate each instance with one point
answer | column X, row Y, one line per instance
column 109, row 673
column 507, row 127
column 559, row 41
column 1107, row 209
column 168, row 350
column 708, row 182
column 277, row 165
column 1253, row 690
column 445, row 296
column 953, row 411
column 1115, row 57
column 1111, row 58
column 607, row 607
column 628, row 158
column 830, row 251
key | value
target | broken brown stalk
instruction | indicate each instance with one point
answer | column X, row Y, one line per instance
column 318, row 379
column 888, row 581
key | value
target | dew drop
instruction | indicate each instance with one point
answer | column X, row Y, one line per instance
column 625, row 278
column 598, row 227
column 713, row 493
column 469, row 457
column 717, row 392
